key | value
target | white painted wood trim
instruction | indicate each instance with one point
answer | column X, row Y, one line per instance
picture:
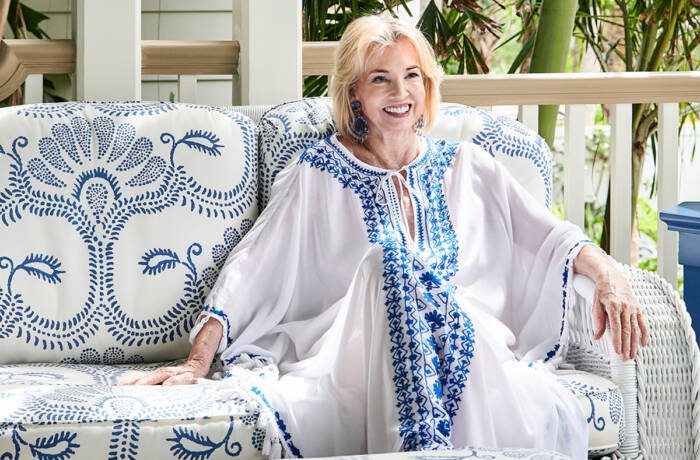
column 187, row 88
column 108, row 49
column 34, row 89
column 667, row 177
column 620, row 181
column 529, row 116
column 574, row 163
column 270, row 70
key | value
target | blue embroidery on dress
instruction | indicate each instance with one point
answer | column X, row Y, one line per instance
column 434, row 230
column 432, row 346
column 213, row 311
column 564, row 294
column 432, row 339
column 435, row 234
column 280, row 424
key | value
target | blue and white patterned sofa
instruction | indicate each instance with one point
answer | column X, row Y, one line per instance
column 114, row 222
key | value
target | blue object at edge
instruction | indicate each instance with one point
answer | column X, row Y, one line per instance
column 685, row 219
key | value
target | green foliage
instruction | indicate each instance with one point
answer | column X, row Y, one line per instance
column 326, row 20
column 24, row 20
column 449, row 30
column 594, row 220
column 647, row 222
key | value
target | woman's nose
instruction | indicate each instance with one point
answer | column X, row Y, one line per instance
column 399, row 86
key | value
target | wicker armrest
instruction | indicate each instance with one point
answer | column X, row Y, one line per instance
column 660, row 388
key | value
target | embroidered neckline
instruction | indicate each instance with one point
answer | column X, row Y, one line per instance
column 361, row 165
column 434, row 232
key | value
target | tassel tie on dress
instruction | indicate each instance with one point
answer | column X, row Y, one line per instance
column 380, row 199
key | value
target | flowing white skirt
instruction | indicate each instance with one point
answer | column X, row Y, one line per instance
column 392, row 374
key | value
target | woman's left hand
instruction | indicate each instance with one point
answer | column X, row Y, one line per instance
column 614, row 305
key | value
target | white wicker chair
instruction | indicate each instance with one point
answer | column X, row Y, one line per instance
column 660, row 388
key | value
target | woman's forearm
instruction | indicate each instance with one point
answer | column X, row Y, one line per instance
column 205, row 345
column 592, row 262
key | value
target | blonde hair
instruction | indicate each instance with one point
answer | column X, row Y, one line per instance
column 365, row 36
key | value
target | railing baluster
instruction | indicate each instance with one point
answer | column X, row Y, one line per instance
column 620, row 181
column 528, row 115
column 667, row 186
column 574, row 158
column 187, row 88
column 34, row 89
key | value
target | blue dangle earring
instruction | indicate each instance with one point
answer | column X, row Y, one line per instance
column 420, row 124
column 359, row 127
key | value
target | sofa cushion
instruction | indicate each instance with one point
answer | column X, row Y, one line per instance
column 114, row 222
column 290, row 128
column 73, row 411
column 601, row 402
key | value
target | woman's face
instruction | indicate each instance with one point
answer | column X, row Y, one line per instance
column 391, row 90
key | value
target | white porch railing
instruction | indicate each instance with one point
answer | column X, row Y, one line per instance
column 619, row 91
column 23, row 60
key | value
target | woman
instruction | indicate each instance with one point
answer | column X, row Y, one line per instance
column 399, row 292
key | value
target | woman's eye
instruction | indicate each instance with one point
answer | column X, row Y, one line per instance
column 413, row 75
column 378, row 79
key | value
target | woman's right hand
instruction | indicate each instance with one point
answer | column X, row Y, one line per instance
column 183, row 374
column 197, row 365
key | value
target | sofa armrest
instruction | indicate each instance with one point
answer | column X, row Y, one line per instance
column 661, row 388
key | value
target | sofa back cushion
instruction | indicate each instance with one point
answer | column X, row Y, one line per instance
column 288, row 129
column 114, row 222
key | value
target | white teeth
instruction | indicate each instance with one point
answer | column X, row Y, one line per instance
column 397, row 109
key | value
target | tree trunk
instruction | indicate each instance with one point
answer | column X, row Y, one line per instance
column 551, row 51
column 641, row 130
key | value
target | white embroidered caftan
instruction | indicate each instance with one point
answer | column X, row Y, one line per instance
column 364, row 339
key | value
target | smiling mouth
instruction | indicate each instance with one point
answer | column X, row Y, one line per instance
column 401, row 109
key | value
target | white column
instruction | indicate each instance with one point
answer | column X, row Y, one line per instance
column 528, row 115
column 187, row 88
column 269, row 32
column 620, row 181
column 667, row 179
column 107, row 36
column 574, row 163
column 237, row 34
column 34, row 89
